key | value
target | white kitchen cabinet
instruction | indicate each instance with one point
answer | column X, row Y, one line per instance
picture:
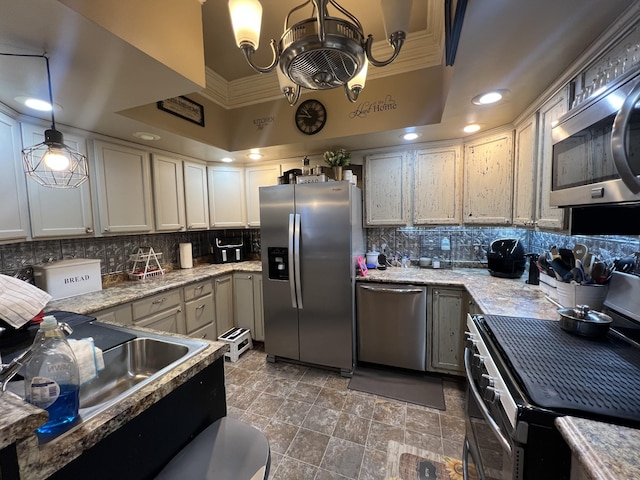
column 168, row 194
column 199, row 310
column 257, row 177
column 55, row 212
column 223, row 291
column 549, row 217
column 123, row 184
column 227, row 198
column 163, row 311
column 196, row 195
column 386, row 189
column 247, row 309
column 437, row 186
column 13, row 194
column 525, row 175
column 488, row 180
column 447, row 321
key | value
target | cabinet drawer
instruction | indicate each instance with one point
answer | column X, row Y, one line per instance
column 168, row 321
column 197, row 290
column 208, row 332
column 156, row 303
column 199, row 312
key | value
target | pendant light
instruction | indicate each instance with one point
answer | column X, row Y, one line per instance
column 52, row 163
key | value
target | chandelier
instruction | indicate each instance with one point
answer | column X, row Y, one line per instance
column 52, row 163
column 322, row 51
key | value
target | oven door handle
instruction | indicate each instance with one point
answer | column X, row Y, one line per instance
column 483, row 408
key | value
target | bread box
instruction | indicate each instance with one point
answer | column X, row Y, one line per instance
column 67, row 278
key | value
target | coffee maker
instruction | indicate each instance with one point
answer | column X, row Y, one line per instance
column 228, row 250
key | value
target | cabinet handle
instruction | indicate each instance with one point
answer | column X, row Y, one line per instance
column 200, row 307
column 160, row 300
column 88, row 230
column 107, row 229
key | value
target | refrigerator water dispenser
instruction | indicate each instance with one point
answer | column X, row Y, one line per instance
column 278, row 263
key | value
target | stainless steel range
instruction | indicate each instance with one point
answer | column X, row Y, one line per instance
column 522, row 373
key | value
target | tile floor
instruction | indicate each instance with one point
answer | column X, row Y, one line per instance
column 318, row 429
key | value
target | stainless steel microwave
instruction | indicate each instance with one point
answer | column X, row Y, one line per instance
column 596, row 148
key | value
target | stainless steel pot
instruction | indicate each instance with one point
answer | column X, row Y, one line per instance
column 584, row 321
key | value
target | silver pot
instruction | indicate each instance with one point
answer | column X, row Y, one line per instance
column 584, row 321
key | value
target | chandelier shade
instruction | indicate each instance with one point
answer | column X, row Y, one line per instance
column 323, row 51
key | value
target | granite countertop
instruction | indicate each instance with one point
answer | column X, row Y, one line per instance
column 136, row 289
column 601, row 450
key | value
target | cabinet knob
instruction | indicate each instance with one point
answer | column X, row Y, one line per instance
column 107, row 229
column 88, row 230
column 190, row 226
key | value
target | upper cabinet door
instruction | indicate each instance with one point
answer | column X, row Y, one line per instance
column 437, row 187
column 196, row 196
column 257, row 177
column 13, row 195
column 525, row 182
column 56, row 212
column 488, row 180
column 168, row 194
column 386, row 189
column 227, row 200
column 123, row 181
column 549, row 217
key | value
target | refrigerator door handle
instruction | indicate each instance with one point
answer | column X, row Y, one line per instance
column 292, row 280
column 296, row 249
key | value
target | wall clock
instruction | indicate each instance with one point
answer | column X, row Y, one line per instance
column 310, row 117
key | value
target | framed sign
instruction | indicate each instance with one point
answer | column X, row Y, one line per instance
column 183, row 107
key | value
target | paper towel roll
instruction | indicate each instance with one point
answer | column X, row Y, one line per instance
column 186, row 259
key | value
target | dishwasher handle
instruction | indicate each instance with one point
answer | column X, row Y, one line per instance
column 392, row 290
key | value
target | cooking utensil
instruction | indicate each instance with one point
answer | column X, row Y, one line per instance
column 587, row 264
column 579, row 251
column 584, row 321
column 625, row 264
column 598, row 271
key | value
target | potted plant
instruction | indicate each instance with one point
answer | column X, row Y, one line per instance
column 337, row 159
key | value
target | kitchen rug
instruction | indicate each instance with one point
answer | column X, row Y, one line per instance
column 405, row 462
column 413, row 388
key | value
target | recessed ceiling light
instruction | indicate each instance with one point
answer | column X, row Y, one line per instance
column 410, row 136
column 36, row 104
column 488, row 98
column 226, row 160
column 474, row 127
column 255, row 156
column 146, row 136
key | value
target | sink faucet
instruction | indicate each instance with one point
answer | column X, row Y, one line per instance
column 9, row 370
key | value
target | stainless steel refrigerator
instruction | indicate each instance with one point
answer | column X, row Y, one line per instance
column 311, row 235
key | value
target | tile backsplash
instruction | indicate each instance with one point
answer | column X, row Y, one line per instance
column 467, row 246
column 16, row 259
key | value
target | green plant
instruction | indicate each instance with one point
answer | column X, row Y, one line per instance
column 337, row 158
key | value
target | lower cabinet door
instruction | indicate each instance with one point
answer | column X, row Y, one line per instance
column 447, row 330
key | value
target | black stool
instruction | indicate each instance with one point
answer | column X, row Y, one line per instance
column 226, row 450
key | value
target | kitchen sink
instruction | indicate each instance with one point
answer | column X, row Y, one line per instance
column 129, row 366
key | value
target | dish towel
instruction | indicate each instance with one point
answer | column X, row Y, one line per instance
column 20, row 301
column 89, row 358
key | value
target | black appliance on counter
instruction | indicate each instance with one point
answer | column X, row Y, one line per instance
column 228, row 250
column 523, row 373
column 506, row 258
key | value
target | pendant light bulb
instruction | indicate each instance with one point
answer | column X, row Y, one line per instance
column 56, row 160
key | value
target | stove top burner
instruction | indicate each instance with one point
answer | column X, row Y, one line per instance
column 562, row 371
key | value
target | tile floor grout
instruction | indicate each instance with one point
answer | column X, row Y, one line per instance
column 334, row 433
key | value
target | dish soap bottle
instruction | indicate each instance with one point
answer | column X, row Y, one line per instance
column 52, row 380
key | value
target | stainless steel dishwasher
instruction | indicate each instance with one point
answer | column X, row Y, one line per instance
column 392, row 325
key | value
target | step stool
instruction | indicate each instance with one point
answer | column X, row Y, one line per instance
column 239, row 340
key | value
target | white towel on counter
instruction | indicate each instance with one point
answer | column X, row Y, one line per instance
column 20, row 301
column 89, row 358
